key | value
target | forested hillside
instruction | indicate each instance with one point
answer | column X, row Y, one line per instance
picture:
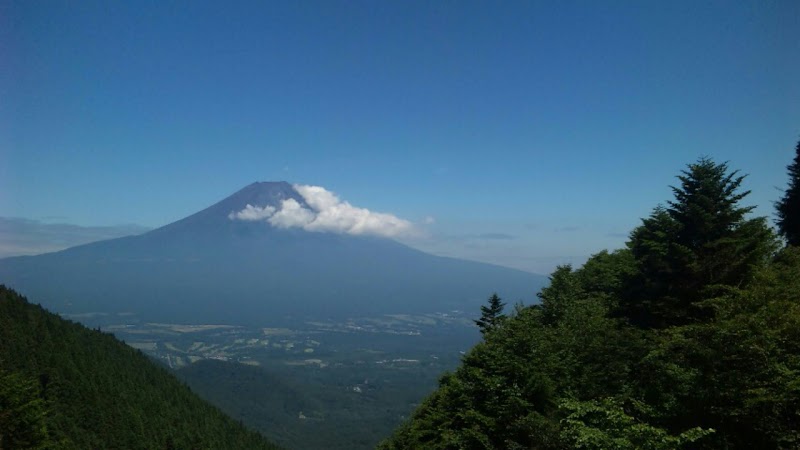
column 290, row 410
column 687, row 338
column 65, row 386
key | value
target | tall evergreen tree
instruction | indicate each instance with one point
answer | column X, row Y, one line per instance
column 788, row 208
column 491, row 314
column 700, row 242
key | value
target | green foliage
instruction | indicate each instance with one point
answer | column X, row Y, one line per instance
column 739, row 374
column 23, row 423
column 606, row 274
column 605, row 425
column 788, row 208
column 82, row 389
column 491, row 314
column 691, row 249
column 507, row 391
column 560, row 295
column 690, row 338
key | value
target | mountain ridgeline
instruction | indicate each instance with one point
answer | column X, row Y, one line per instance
column 209, row 267
column 65, row 386
column 687, row 338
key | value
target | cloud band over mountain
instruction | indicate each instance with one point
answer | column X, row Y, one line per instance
column 326, row 213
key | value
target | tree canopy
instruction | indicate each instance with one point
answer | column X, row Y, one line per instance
column 689, row 338
column 788, row 208
column 491, row 314
column 701, row 242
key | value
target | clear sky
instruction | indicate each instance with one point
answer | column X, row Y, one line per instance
column 532, row 133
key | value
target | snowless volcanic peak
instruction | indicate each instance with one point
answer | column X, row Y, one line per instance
column 251, row 259
column 264, row 195
column 316, row 209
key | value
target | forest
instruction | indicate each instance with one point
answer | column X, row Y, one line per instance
column 64, row 386
column 689, row 337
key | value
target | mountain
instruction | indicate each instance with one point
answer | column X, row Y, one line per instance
column 33, row 237
column 210, row 267
column 65, row 386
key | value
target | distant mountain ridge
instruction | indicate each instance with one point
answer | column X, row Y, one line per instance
column 209, row 267
column 20, row 236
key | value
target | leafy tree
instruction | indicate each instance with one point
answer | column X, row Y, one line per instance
column 604, row 424
column 702, row 241
column 788, row 208
column 491, row 314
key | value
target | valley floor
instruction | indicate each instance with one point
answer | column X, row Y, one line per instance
column 312, row 384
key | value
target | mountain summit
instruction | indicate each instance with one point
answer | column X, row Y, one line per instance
column 270, row 251
column 217, row 217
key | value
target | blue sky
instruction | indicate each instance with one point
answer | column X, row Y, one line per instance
column 534, row 133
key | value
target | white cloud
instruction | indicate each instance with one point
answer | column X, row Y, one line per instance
column 291, row 214
column 317, row 197
column 327, row 213
column 251, row 212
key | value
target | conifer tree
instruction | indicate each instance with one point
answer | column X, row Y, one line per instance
column 788, row 208
column 491, row 314
column 700, row 242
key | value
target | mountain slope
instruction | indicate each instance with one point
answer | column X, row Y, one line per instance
column 209, row 267
column 262, row 400
column 99, row 392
